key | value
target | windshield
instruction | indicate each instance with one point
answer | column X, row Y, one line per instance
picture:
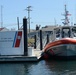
column 57, row 32
column 74, row 31
column 65, row 32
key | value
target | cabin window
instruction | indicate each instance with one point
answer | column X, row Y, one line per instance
column 57, row 32
column 74, row 31
column 65, row 32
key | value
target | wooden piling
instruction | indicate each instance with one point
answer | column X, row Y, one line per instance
column 25, row 37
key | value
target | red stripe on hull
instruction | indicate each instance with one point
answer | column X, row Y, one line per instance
column 59, row 42
column 51, row 51
column 17, row 44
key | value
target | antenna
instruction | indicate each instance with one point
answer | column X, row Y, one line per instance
column 1, row 16
column 66, row 14
column 28, row 10
column 18, row 22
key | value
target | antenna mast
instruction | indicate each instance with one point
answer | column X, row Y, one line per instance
column 66, row 20
column 29, row 9
column 1, row 16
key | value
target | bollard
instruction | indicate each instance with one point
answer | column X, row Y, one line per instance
column 31, row 51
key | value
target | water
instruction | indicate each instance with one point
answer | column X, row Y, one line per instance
column 42, row 67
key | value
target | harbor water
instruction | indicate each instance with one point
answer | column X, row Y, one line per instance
column 42, row 67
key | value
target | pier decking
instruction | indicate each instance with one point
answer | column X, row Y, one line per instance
column 35, row 57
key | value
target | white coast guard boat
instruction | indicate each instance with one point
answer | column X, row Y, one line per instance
column 63, row 43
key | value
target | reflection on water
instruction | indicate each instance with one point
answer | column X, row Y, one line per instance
column 62, row 67
column 39, row 68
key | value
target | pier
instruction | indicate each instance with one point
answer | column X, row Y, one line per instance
column 14, row 47
column 33, row 57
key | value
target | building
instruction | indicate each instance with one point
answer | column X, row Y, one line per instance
column 4, row 29
column 46, row 30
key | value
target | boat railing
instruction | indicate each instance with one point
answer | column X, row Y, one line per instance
column 38, row 43
column 50, row 38
column 44, row 41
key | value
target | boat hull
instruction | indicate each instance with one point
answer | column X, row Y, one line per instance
column 65, row 48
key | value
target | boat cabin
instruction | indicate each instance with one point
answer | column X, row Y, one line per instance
column 64, row 32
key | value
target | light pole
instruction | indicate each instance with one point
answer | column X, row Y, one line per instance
column 29, row 9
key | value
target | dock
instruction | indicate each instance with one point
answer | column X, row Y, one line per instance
column 33, row 57
column 14, row 47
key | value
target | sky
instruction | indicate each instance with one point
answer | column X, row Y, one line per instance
column 44, row 12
